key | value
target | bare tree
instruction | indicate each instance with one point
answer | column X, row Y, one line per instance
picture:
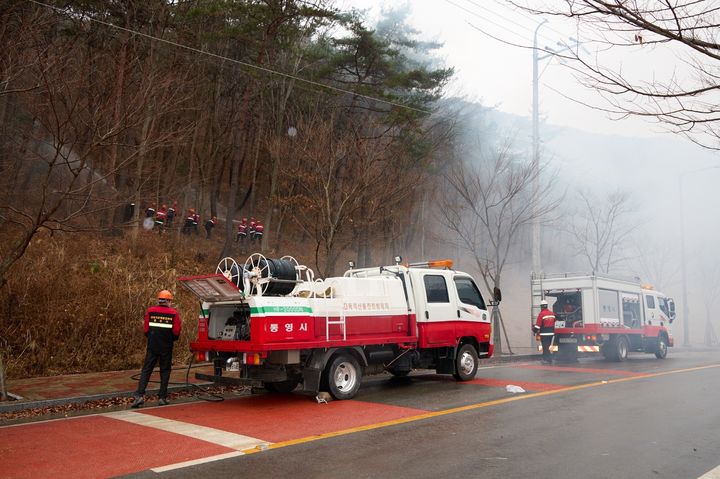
column 658, row 262
column 684, row 96
column 334, row 168
column 600, row 229
column 489, row 205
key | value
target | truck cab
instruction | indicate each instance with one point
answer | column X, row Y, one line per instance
column 447, row 304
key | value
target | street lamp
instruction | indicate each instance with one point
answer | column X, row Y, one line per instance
column 686, row 313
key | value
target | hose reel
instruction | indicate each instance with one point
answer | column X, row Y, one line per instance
column 264, row 276
column 229, row 268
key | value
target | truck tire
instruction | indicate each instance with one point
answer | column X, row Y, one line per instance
column 662, row 348
column 466, row 363
column 621, row 348
column 343, row 376
column 282, row 387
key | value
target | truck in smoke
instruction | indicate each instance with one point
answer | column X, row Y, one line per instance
column 602, row 314
column 270, row 323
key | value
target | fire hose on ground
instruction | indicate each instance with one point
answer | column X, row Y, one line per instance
column 198, row 391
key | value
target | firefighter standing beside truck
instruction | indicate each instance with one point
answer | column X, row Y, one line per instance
column 162, row 328
column 545, row 327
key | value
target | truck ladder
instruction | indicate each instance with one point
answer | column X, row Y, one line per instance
column 330, row 294
column 536, row 295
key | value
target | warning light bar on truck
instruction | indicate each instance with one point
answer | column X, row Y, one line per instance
column 440, row 263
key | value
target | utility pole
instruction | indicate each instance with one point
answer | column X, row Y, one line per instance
column 536, row 236
column 537, row 265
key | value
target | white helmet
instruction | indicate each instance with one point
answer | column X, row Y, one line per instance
column 543, row 302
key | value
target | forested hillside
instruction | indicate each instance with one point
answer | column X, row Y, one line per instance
column 325, row 127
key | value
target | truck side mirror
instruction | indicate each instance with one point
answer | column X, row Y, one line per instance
column 497, row 294
column 671, row 306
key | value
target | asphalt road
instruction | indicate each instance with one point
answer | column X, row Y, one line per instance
column 660, row 419
column 593, row 419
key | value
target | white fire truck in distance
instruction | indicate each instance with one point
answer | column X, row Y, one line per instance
column 270, row 323
column 598, row 313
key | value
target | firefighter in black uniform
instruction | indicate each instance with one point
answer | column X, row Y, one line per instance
column 162, row 328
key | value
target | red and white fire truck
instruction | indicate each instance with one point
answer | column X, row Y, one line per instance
column 269, row 322
column 598, row 313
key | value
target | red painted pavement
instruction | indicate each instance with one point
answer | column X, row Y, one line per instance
column 93, row 446
column 613, row 372
column 283, row 417
column 526, row 385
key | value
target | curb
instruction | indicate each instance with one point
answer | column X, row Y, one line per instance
column 13, row 406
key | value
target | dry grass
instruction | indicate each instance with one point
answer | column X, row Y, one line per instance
column 76, row 303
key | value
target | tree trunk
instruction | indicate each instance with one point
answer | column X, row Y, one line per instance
column 497, row 338
column 3, row 391
column 118, row 90
column 238, row 160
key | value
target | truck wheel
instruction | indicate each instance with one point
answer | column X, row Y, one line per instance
column 661, row 351
column 621, row 349
column 466, row 363
column 282, row 387
column 343, row 376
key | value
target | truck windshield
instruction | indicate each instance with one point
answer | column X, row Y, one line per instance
column 468, row 292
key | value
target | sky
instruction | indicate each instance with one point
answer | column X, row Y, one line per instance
column 497, row 74
column 673, row 181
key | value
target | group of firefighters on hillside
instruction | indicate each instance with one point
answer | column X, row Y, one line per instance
column 164, row 217
column 254, row 230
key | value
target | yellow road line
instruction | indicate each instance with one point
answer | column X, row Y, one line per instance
column 470, row 407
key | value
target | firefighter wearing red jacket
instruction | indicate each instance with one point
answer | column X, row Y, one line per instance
column 242, row 232
column 545, row 327
column 162, row 328
column 259, row 229
column 161, row 217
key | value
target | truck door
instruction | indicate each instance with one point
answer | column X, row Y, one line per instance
column 471, row 306
column 652, row 313
column 438, row 325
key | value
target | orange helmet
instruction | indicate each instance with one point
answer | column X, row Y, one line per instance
column 165, row 295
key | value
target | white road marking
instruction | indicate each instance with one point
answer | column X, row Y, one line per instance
column 208, row 434
column 195, row 462
column 713, row 474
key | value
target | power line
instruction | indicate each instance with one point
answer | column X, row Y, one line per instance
column 487, row 10
column 240, row 62
column 520, row 12
column 529, row 29
column 471, row 12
